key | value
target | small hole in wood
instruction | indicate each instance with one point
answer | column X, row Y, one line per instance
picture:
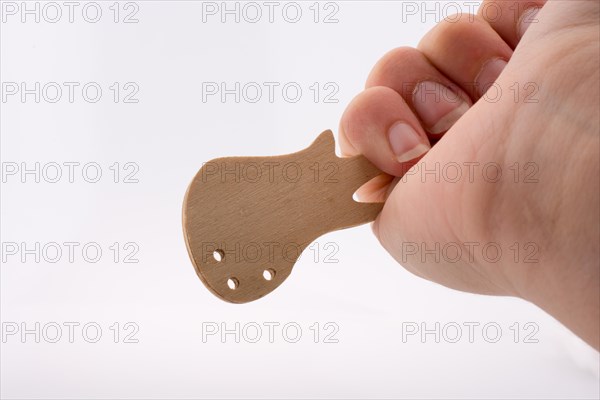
column 233, row 283
column 218, row 255
column 268, row 274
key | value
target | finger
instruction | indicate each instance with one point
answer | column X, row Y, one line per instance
column 510, row 18
column 379, row 124
column 467, row 50
column 435, row 99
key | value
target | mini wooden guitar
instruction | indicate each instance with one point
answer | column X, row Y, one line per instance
column 246, row 220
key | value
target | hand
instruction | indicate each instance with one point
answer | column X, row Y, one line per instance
column 492, row 101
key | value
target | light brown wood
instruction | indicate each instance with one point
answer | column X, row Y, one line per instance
column 246, row 220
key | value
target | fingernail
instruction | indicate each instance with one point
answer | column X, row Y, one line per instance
column 488, row 74
column 438, row 106
column 527, row 18
column 406, row 143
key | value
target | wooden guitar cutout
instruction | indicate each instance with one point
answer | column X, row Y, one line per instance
column 246, row 220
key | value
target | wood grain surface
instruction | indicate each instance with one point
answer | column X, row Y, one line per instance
column 246, row 220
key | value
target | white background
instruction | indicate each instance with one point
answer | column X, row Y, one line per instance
column 168, row 134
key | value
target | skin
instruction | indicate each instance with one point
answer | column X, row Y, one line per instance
column 551, row 127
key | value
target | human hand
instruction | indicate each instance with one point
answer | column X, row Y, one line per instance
column 538, row 126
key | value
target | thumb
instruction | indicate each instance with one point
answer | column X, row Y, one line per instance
column 429, row 220
column 409, row 225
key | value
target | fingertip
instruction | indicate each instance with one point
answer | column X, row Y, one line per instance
column 379, row 124
column 346, row 147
